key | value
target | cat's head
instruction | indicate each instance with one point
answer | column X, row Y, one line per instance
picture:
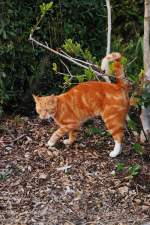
column 114, row 56
column 45, row 106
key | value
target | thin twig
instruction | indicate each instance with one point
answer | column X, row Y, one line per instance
column 66, row 68
column 79, row 60
column 18, row 138
column 128, row 64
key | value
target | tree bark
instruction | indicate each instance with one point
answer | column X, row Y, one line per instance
column 109, row 26
column 146, row 54
column 145, row 114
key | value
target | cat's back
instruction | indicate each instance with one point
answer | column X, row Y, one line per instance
column 93, row 86
column 92, row 90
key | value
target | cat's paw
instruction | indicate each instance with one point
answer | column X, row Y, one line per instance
column 67, row 142
column 117, row 150
column 50, row 143
column 114, row 154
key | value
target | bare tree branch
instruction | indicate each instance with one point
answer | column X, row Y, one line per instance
column 69, row 58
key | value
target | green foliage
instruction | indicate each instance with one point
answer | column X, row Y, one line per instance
column 120, row 167
column 5, row 173
column 67, row 80
column 132, row 125
column 25, row 68
column 89, row 74
column 44, row 7
column 72, row 47
column 75, row 48
column 137, row 148
column 92, row 130
column 145, row 97
column 85, row 21
column 88, row 56
column 134, row 170
column 55, row 67
column 123, row 16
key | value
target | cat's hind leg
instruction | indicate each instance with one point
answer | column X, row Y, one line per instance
column 117, row 132
column 117, row 149
column 115, row 123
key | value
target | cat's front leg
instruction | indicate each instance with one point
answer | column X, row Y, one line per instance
column 56, row 136
column 72, row 138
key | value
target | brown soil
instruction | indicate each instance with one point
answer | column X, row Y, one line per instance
column 76, row 185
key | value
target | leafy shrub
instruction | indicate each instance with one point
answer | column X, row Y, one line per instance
column 26, row 68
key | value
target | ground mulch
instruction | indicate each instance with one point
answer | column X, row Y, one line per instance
column 75, row 185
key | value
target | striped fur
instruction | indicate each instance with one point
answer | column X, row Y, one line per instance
column 71, row 109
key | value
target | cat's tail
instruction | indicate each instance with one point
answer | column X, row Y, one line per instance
column 114, row 57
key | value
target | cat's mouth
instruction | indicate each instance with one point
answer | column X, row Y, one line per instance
column 48, row 117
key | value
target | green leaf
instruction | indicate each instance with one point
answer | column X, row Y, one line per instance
column 132, row 125
column 88, row 56
column 55, row 67
column 66, row 79
column 5, row 173
column 89, row 74
column 93, row 130
column 134, row 170
column 137, row 148
column 45, row 7
column 72, row 47
column 80, row 78
column 120, row 167
column 124, row 61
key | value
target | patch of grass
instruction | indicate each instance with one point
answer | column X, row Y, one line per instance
column 5, row 173
column 134, row 170
column 120, row 167
column 18, row 120
column 137, row 148
column 92, row 130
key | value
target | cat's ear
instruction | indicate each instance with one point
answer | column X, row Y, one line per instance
column 35, row 97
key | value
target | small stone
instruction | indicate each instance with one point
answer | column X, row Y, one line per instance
column 132, row 192
column 138, row 201
column 41, row 144
column 123, row 190
column 146, row 223
column 27, row 155
column 113, row 172
column 42, row 176
column 8, row 148
column 112, row 191
column 145, row 208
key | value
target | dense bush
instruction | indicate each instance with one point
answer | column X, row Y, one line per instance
column 26, row 68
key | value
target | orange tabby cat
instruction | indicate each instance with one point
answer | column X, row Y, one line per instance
column 71, row 109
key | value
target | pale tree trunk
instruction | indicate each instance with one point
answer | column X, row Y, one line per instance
column 108, row 32
column 109, row 26
column 145, row 114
